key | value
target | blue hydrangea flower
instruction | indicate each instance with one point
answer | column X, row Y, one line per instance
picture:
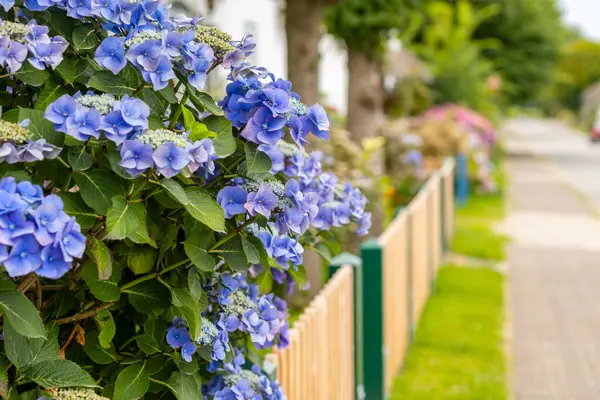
column 134, row 111
column 170, row 159
column 276, row 100
column 264, row 127
column 7, row 4
column 84, row 124
column 59, row 111
column 70, row 240
column 202, row 155
column 49, row 219
column 24, row 257
column 13, row 226
column 276, row 156
column 48, row 54
column 114, row 127
column 12, row 55
column 262, row 201
column 160, row 74
column 111, row 54
column 136, row 157
column 29, row 192
column 232, row 200
column 318, row 121
column 53, row 263
column 79, row 9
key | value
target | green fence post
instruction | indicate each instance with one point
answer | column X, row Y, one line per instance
column 356, row 263
column 372, row 292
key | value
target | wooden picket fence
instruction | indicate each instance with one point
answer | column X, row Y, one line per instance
column 351, row 340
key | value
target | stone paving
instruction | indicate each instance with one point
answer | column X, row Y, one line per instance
column 553, row 273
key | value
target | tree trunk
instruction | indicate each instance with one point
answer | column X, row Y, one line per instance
column 303, row 31
column 366, row 114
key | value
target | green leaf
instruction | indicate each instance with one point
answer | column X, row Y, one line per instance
column 232, row 253
column 22, row 315
column 175, row 190
column 147, row 344
column 23, row 351
column 97, row 353
column 79, row 158
column 195, row 288
column 149, row 297
column 31, row 75
column 114, row 158
column 324, row 251
column 67, row 69
column 52, row 90
column 58, row 22
column 265, row 281
column 250, row 250
column 299, row 276
column 102, row 257
column 84, row 70
column 150, row 98
column 106, row 324
column 185, row 387
column 168, row 94
column 41, row 128
column 132, row 383
column 3, row 383
column 141, row 259
column 262, row 253
column 59, row 374
column 98, row 187
column 125, row 218
column 85, row 37
column 188, row 118
column 256, row 161
column 156, row 328
column 75, row 207
column 103, row 290
column 205, row 209
column 224, row 143
column 218, row 125
column 199, row 256
column 107, row 82
column 203, row 101
column 188, row 307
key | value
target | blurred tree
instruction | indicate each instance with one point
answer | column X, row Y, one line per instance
column 303, row 22
column 460, row 72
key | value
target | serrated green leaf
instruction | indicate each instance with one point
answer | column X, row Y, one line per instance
column 98, row 187
column 108, row 82
column 97, row 353
column 224, row 143
column 102, row 257
column 103, row 290
column 85, row 37
column 41, row 128
column 250, row 250
column 141, row 259
column 168, row 94
column 23, row 351
column 175, row 190
column 107, row 327
column 149, row 297
column 125, row 218
column 299, row 276
column 67, row 69
column 147, row 344
column 52, row 90
column 257, row 162
column 132, row 383
column 205, row 209
column 79, row 158
column 203, row 101
column 22, row 315
column 75, row 207
column 265, row 281
column 58, row 374
column 232, row 253
column 84, row 70
column 189, row 308
column 199, row 256
column 31, row 75
column 150, row 98
column 184, row 386
column 260, row 247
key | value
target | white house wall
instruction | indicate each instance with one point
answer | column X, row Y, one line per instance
column 265, row 20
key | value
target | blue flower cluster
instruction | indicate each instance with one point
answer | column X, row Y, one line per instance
column 16, row 145
column 18, row 41
column 36, row 235
column 235, row 383
column 263, row 110
column 87, row 116
column 169, row 152
column 211, row 336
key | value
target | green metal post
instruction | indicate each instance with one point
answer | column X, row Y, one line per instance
column 372, row 291
column 356, row 263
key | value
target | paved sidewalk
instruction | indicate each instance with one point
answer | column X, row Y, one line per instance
column 554, row 277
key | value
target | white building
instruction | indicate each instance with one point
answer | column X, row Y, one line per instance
column 265, row 20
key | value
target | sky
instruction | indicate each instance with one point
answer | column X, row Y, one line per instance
column 583, row 14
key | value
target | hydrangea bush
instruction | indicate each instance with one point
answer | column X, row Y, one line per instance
column 148, row 234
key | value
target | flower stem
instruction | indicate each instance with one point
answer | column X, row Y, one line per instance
column 231, row 235
column 84, row 315
column 178, row 110
column 138, row 281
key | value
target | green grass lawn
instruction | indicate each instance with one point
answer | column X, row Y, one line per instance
column 458, row 349
column 474, row 235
